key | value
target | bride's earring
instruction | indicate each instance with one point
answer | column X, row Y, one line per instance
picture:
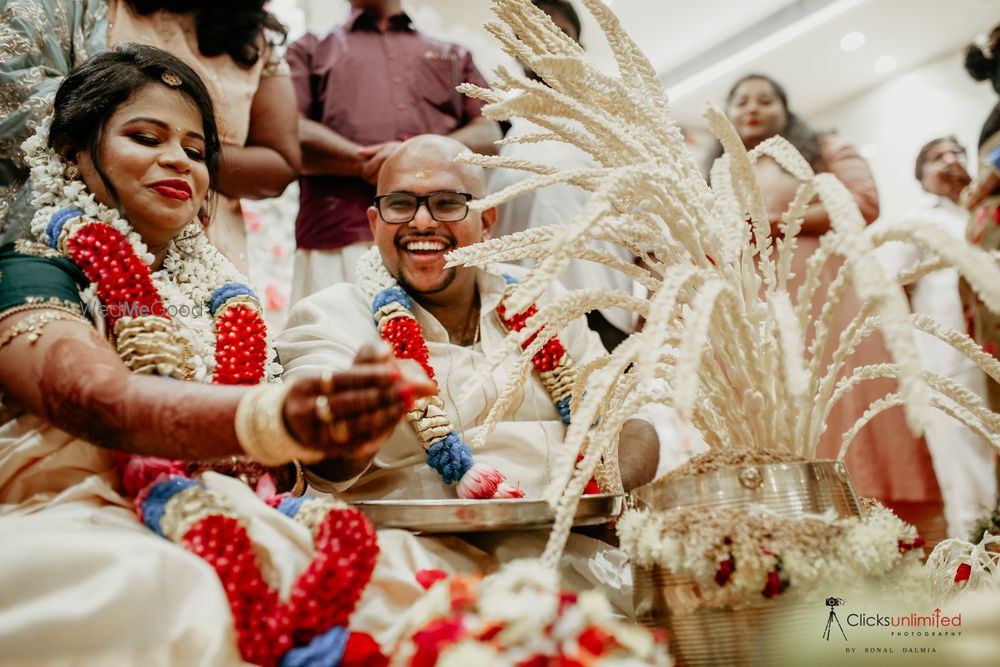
column 72, row 172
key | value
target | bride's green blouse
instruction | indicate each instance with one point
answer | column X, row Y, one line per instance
column 31, row 280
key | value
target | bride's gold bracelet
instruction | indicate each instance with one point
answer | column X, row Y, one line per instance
column 260, row 428
column 34, row 324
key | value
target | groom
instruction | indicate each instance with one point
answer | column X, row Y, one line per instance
column 421, row 213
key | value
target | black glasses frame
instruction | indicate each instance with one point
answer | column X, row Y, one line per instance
column 425, row 200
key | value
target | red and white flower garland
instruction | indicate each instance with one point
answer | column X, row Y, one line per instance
column 392, row 310
column 738, row 558
column 196, row 319
column 310, row 627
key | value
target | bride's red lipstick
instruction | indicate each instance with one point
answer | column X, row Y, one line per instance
column 173, row 188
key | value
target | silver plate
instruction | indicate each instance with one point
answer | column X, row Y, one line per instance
column 466, row 516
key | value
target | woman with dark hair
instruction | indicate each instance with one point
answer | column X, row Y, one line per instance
column 229, row 43
column 758, row 108
column 982, row 196
column 120, row 326
column 885, row 460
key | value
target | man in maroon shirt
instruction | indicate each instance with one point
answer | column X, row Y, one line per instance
column 371, row 83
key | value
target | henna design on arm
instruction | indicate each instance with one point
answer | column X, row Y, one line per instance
column 72, row 378
column 114, row 408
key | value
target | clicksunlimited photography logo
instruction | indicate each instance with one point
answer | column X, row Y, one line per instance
column 833, row 603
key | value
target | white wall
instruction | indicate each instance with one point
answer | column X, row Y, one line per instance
column 889, row 123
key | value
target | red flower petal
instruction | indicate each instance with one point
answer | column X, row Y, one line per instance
column 434, row 638
column 491, row 631
column 428, row 578
column 773, row 587
column 534, row 661
column 362, row 651
column 595, row 641
column 725, row 571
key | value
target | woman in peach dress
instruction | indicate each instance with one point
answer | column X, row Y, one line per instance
column 885, row 460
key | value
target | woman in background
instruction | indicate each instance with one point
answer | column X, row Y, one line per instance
column 231, row 44
column 885, row 461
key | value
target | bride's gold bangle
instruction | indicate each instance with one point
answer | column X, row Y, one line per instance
column 260, row 428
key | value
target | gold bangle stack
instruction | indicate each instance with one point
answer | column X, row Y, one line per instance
column 260, row 428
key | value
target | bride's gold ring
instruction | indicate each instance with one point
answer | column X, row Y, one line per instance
column 322, row 406
column 338, row 431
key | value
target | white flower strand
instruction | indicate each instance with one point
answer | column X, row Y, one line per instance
column 689, row 543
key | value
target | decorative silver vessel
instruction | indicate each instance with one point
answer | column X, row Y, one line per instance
column 751, row 635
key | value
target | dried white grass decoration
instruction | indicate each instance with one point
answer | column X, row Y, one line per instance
column 982, row 560
column 724, row 341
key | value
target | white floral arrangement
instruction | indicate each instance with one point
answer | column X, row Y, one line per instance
column 519, row 616
column 739, row 559
column 725, row 342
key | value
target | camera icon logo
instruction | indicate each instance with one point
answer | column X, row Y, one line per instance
column 833, row 603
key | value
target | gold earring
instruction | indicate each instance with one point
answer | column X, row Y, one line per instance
column 72, row 172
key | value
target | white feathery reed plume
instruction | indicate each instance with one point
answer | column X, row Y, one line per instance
column 724, row 342
column 982, row 561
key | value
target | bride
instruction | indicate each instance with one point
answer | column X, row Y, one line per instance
column 118, row 298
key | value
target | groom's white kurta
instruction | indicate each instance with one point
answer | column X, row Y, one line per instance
column 326, row 330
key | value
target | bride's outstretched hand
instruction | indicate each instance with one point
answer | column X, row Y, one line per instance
column 347, row 414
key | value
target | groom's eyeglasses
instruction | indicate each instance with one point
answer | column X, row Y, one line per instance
column 397, row 208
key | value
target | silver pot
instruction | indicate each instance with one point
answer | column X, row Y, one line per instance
column 753, row 634
column 790, row 489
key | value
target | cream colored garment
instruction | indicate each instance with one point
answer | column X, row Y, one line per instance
column 82, row 582
column 963, row 463
column 326, row 330
column 231, row 86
